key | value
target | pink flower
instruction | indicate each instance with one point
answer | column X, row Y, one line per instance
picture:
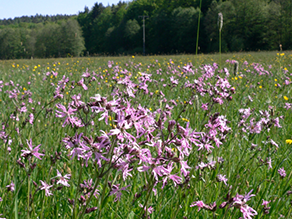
column 150, row 209
column 274, row 143
column 269, row 162
column 265, row 203
column 117, row 191
column 199, row 204
column 81, row 83
column 46, row 187
column 31, row 118
column 63, row 179
column 282, row 172
column 222, row 178
column 239, row 201
column 205, row 106
column 184, row 167
column 66, row 113
column 247, row 212
column 11, row 187
column 32, row 151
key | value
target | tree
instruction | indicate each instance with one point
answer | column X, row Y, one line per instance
column 131, row 34
column 71, row 40
column 10, row 43
column 184, row 27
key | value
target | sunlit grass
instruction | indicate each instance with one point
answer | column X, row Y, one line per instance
column 262, row 83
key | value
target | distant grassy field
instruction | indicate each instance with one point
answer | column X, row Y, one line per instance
column 154, row 137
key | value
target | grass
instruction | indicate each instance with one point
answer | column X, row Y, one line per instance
column 245, row 168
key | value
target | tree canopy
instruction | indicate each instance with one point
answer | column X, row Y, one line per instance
column 170, row 27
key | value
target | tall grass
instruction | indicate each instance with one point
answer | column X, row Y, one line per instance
column 220, row 25
column 175, row 104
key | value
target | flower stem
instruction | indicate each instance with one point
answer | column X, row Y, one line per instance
column 82, row 212
column 76, row 195
column 220, row 47
column 198, row 29
column 28, row 194
column 147, row 198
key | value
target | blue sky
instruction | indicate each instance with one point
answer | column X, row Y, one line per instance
column 18, row 8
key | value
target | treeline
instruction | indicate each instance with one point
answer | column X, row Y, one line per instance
column 42, row 40
column 38, row 18
column 170, row 27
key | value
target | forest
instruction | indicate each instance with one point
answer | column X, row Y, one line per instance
column 171, row 27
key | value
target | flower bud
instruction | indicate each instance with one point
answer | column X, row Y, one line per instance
column 89, row 210
column 71, row 201
column 20, row 163
column 223, row 205
column 85, row 109
column 171, row 125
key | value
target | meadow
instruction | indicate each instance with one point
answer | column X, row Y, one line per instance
column 147, row 137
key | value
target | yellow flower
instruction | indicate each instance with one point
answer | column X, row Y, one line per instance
column 184, row 119
column 282, row 54
column 174, row 149
column 260, row 87
column 288, row 141
column 276, row 80
column 286, row 98
column 235, row 78
column 276, row 85
column 133, row 57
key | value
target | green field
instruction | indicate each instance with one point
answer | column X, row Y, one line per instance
column 154, row 137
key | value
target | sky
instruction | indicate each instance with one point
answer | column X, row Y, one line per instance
column 18, row 8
